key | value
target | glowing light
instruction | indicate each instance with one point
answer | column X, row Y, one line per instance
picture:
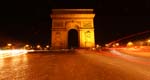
column 38, row 46
column 93, row 49
column 9, row 53
column 47, row 46
column 114, row 45
column 129, row 44
column 117, row 44
column 106, row 45
column 97, row 46
column 148, row 42
column 26, row 45
column 9, row 44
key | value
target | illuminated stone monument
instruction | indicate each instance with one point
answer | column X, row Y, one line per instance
column 65, row 20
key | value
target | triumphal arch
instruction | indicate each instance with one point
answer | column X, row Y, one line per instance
column 74, row 24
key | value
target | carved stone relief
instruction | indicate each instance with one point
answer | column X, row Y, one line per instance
column 87, row 24
column 58, row 36
column 58, row 24
column 88, row 36
column 72, row 24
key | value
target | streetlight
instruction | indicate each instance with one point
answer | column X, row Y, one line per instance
column 97, row 46
column 129, row 44
column 117, row 44
column 26, row 46
column 9, row 44
column 106, row 45
column 47, row 46
column 148, row 42
column 38, row 47
column 114, row 45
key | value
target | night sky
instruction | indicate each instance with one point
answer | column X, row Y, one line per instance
column 29, row 21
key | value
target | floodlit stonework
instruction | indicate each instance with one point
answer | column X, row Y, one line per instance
column 81, row 20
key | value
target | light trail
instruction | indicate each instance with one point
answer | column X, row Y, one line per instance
column 14, row 52
column 129, row 36
column 129, row 57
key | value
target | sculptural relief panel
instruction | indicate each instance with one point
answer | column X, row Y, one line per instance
column 72, row 24
column 58, row 24
column 87, row 36
column 87, row 24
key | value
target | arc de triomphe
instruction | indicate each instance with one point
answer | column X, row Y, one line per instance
column 65, row 20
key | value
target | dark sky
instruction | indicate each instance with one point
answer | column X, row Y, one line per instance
column 29, row 21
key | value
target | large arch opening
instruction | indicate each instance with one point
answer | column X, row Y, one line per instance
column 73, row 41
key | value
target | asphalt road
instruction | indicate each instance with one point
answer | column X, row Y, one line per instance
column 80, row 65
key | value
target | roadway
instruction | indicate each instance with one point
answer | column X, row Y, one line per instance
column 79, row 65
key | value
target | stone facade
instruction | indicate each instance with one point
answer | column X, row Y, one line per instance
column 64, row 20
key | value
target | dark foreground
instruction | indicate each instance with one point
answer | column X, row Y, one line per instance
column 79, row 65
